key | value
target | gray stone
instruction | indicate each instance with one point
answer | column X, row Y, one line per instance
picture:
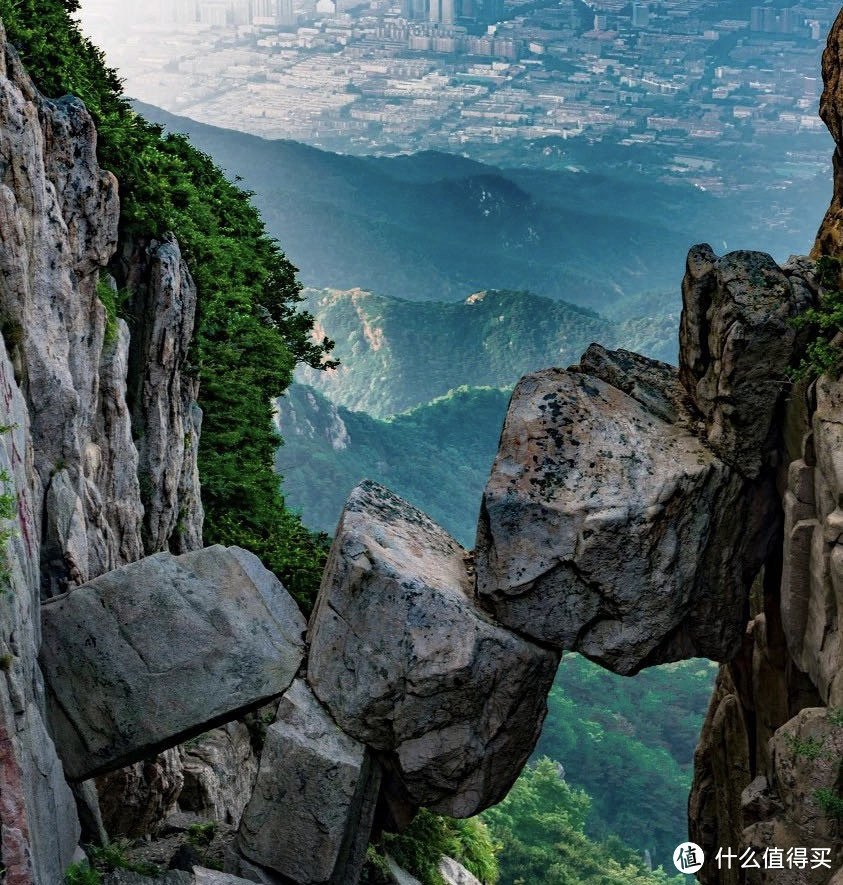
column 736, row 341
column 162, row 308
column 455, row 873
column 219, row 770
column 313, row 803
column 406, row 662
column 608, row 527
column 399, row 875
column 151, row 653
column 203, row 876
column 127, row 877
column 238, row 865
column 135, row 799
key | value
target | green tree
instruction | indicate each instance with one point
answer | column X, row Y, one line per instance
column 250, row 333
column 540, row 826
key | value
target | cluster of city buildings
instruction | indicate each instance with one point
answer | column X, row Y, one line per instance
column 405, row 75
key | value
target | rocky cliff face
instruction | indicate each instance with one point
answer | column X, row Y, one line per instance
column 768, row 766
column 83, row 499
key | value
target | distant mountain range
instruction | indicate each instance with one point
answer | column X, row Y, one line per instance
column 396, row 354
column 452, row 365
column 437, row 456
column 433, row 226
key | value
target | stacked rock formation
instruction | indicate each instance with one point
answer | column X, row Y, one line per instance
column 635, row 512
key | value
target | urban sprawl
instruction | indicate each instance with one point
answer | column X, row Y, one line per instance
column 388, row 76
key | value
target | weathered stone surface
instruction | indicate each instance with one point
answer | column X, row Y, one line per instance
column 812, row 576
column 78, row 492
column 455, row 873
column 607, row 527
column 164, row 390
column 122, row 681
column 238, row 865
column 219, row 770
column 58, row 225
column 735, row 342
column 311, row 811
column 721, row 772
column 135, row 799
column 805, row 765
column 406, row 662
column 203, row 876
column 806, row 755
column 45, row 203
column 127, row 877
column 830, row 235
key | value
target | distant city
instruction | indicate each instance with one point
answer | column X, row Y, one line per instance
column 486, row 77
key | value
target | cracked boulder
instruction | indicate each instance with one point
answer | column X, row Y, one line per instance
column 610, row 528
column 736, row 339
column 407, row 663
column 311, row 810
column 152, row 653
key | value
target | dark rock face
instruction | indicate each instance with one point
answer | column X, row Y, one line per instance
column 147, row 654
column 735, row 340
column 830, row 235
column 630, row 506
column 312, row 807
column 406, row 662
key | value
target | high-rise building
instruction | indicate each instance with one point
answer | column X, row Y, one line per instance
column 416, row 10
column 787, row 21
column 769, row 20
column 213, row 12
column 640, row 15
column 441, row 12
column 756, row 18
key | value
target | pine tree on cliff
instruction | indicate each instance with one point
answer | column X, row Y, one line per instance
column 250, row 333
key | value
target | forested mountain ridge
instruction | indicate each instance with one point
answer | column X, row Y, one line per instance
column 436, row 455
column 396, row 354
column 435, row 227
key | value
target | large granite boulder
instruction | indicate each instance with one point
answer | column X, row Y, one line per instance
column 154, row 652
column 608, row 527
column 314, row 800
column 407, row 663
column 631, row 506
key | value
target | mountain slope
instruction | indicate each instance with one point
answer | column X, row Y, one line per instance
column 437, row 456
column 396, row 354
column 433, row 226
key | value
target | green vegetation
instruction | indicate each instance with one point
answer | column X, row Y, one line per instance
column 82, row 873
column 830, row 802
column 823, row 354
column 629, row 743
column 437, row 456
column 806, row 748
column 541, row 825
column 835, row 716
column 113, row 857
column 399, row 354
column 112, row 301
column 8, row 511
column 250, row 333
column 422, row 845
column 201, row 835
